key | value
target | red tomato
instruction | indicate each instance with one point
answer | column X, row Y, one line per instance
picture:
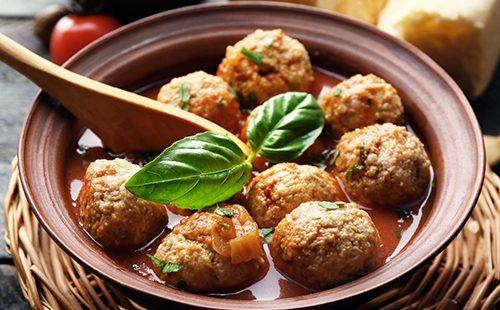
column 73, row 32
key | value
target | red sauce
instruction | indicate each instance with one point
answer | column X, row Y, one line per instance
column 396, row 228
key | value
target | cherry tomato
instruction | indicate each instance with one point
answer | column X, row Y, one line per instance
column 73, row 32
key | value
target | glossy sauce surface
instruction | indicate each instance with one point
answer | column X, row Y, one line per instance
column 396, row 226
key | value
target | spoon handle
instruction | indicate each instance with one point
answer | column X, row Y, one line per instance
column 124, row 121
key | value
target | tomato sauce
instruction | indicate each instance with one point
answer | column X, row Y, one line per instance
column 396, row 226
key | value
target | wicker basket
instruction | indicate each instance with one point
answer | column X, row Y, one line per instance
column 465, row 275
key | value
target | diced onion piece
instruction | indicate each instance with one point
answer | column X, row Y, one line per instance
column 246, row 247
column 222, row 233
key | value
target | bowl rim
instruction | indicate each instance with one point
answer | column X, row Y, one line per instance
column 216, row 302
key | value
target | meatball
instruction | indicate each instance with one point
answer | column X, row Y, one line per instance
column 205, row 95
column 217, row 251
column 383, row 165
column 265, row 64
column 322, row 244
column 361, row 101
column 110, row 213
column 283, row 187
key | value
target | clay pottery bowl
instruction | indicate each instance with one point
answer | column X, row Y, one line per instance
column 194, row 38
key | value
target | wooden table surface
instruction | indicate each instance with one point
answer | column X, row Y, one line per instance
column 17, row 93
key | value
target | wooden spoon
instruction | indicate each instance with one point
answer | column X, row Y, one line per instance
column 123, row 120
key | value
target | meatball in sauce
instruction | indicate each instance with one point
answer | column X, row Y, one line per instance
column 356, row 212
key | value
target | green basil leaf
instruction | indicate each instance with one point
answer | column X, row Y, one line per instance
column 193, row 173
column 163, row 266
column 285, row 126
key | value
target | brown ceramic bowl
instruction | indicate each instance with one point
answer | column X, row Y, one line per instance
column 196, row 37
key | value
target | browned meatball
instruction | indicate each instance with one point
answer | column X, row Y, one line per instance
column 110, row 213
column 265, row 64
column 205, row 95
column 283, row 187
column 217, row 251
column 322, row 244
column 383, row 165
column 360, row 101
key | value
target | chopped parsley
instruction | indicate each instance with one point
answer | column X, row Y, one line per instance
column 355, row 168
column 223, row 212
column 267, row 234
column 254, row 57
column 163, row 266
column 337, row 91
column 185, row 95
column 334, row 157
column 268, row 41
column 331, row 205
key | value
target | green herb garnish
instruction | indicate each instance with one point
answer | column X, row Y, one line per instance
column 331, row 205
column 185, row 95
column 355, row 168
column 267, row 234
column 334, row 157
column 254, row 57
column 285, row 126
column 337, row 91
column 193, row 173
column 201, row 170
column 223, row 212
column 268, row 41
column 163, row 266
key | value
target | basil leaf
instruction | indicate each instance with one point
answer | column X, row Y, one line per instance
column 163, row 266
column 254, row 57
column 285, row 126
column 267, row 234
column 195, row 172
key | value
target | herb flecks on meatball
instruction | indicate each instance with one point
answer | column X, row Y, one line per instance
column 322, row 244
column 383, row 165
column 217, row 251
column 361, row 101
column 283, row 187
column 265, row 64
column 110, row 213
column 205, row 95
